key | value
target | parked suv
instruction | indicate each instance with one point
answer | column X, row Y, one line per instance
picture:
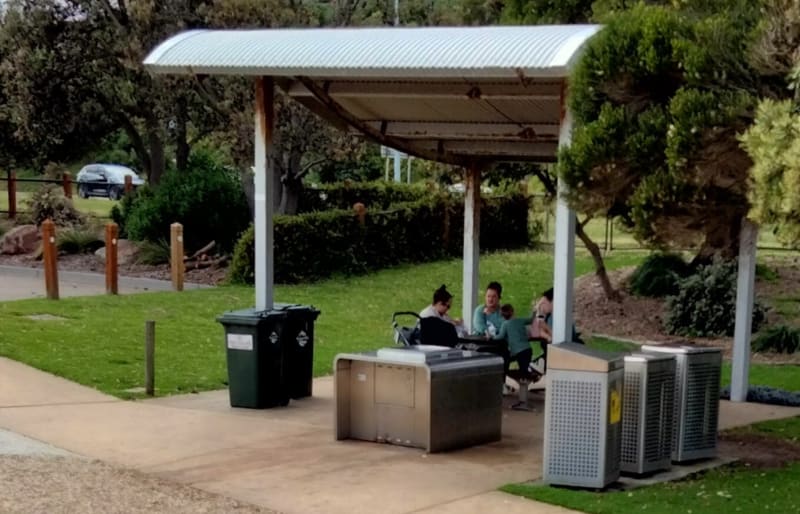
column 105, row 180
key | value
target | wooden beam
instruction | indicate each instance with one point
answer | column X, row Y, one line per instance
column 393, row 142
column 510, row 150
column 467, row 130
column 468, row 90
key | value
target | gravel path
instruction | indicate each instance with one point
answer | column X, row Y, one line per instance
column 38, row 478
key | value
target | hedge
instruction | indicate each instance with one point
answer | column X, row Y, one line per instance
column 313, row 246
column 374, row 195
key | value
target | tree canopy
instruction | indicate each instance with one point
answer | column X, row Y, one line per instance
column 659, row 97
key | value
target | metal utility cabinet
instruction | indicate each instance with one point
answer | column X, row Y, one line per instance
column 429, row 397
column 583, row 415
column 647, row 412
column 694, row 433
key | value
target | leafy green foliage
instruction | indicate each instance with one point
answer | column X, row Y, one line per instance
column 374, row 195
column 773, row 142
column 547, row 11
column 78, row 239
column 658, row 97
column 206, row 198
column 659, row 275
column 153, row 252
column 705, row 302
column 49, row 202
column 780, row 339
column 319, row 244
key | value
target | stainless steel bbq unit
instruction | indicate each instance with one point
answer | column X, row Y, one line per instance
column 435, row 398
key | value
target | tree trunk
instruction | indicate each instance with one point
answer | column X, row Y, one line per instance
column 599, row 266
column 156, row 144
column 291, row 184
column 137, row 142
column 722, row 241
column 181, row 142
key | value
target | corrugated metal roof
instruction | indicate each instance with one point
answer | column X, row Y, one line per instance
column 440, row 52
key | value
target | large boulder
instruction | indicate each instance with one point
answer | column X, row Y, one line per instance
column 126, row 252
column 20, row 240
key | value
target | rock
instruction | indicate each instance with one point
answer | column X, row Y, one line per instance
column 126, row 252
column 20, row 240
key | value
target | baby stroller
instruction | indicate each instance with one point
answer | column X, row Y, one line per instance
column 406, row 335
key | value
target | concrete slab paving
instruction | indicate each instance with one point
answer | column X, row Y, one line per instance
column 287, row 459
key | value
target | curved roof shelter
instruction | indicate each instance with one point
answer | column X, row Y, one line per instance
column 460, row 95
column 450, row 94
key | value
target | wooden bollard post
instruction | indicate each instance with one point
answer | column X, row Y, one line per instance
column 112, row 271
column 128, row 184
column 66, row 182
column 12, row 194
column 176, row 246
column 50, row 258
column 149, row 357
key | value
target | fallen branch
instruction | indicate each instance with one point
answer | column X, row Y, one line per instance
column 204, row 250
column 205, row 262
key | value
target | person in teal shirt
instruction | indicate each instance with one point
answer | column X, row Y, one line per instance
column 486, row 320
column 515, row 332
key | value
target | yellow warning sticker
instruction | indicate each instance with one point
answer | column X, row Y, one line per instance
column 615, row 407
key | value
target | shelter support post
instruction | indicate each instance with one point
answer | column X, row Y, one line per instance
column 264, row 200
column 472, row 233
column 564, row 251
column 745, row 285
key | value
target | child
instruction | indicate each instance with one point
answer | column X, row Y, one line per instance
column 515, row 332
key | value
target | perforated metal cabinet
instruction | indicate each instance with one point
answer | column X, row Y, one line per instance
column 647, row 413
column 583, row 415
column 694, row 433
column 433, row 398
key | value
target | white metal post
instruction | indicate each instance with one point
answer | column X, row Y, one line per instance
column 564, row 252
column 397, row 172
column 472, row 229
column 745, row 286
column 264, row 200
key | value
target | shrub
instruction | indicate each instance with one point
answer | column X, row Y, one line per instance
column 49, row 202
column 706, row 301
column 659, row 275
column 316, row 245
column 780, row 339
column 78, row 239
column 206, row 198
column 153, row 252
column 374, row 195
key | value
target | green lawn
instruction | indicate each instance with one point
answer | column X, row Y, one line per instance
column 100, row 341
column 99, row 207
column 721, row 491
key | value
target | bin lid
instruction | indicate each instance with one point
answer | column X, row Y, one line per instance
column 296, row 309
column 577, row 357
column 249, row 316
column 420, row 354
column 644, row 357
column 682, row 349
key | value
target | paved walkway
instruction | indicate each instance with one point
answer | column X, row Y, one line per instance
column 18, row 283
column 286, row 459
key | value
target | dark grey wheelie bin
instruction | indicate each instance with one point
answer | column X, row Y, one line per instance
column 298, row 343
column 256, row 358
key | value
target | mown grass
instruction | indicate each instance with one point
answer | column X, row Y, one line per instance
column 724, row 490
column 97, row 207
column 100, row 340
